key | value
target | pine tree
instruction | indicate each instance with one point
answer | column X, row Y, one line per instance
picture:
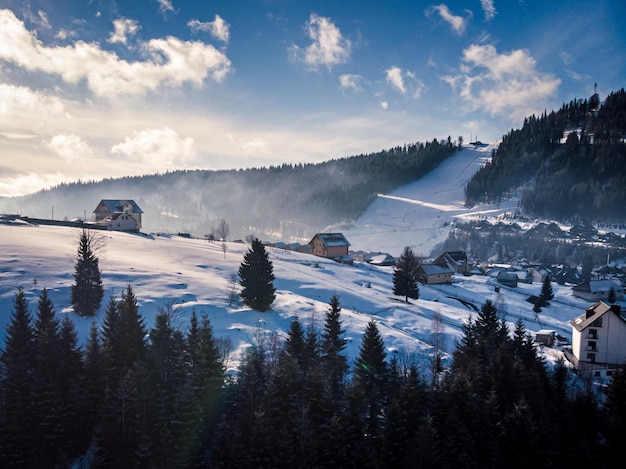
column 611, row 297
column 18, row 359
column 404, row 282
column 75, row 435
column 132, row 331
column 46, row 397
column 546, row 291
column 333, row 345
column 87, row 291
column 256, row 277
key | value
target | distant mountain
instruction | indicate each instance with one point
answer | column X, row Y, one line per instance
column 570, row 163
column 283, row 202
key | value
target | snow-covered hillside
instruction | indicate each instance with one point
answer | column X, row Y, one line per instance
column 420, row 214
column 192, row 274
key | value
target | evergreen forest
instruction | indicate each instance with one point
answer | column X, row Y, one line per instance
column 161, row 398
column 570, row 163
column 291, row 199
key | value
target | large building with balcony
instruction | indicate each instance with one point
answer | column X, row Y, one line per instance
column 599, row 340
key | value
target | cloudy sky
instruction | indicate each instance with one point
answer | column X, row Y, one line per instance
column 92, row 89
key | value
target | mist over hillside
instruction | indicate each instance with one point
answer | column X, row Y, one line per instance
column 290, row 202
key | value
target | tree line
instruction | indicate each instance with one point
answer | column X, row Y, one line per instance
column 294, row 199
column 583, row 177
column 133, row 397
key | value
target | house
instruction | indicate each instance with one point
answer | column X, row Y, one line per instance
column 545, row 337
column 508, row 279
column 380, row 258
column 456, row 260
column 430, row 274
column 598, row 338
column 118, row 215
column 598, row 290
column 330, row 245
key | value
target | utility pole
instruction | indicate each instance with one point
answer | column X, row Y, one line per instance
column 52, row 213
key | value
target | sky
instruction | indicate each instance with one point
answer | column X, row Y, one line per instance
column 95, row 89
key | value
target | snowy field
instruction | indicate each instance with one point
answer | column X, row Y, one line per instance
column 191, row 274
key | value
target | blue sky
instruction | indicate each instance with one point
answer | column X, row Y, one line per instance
column 98, row 89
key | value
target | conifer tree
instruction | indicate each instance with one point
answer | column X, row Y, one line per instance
column 611, row 296
column 17, row 384
column 546, row 291
column 256, row 277
column 87, row 291
column 131, row 330
column 333, row 345
column 404, row 282
column 74, row 436
column 46, row 397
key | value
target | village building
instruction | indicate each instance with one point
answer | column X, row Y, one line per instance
column 508, row 279
column 380, row 259
column 598, row 338
column 118, row 215
column 598, row 290
column 331, row 245
column 456, row 260
column 432, row 274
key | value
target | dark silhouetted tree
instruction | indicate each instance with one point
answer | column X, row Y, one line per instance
column 404, row 282
column 18, row 363
column 256, row 277
column 333, row 345
column 546, row 291
column 87, row 291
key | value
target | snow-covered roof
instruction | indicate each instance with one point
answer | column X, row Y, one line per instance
column 591, row 314
column 597, row 286
column 332, row 239
column 118, row 205
column 434, row 269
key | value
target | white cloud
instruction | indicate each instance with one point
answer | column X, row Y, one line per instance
column 255, row 146
column 20, row 100
column 30, row 182
column 489, row 9
column 165, row 6
column 160, row 148
column 404, row 81
column 218, row 28
column 384, row 104
column 40, row 19
column 457, row 23
column 503, row 84
column 350, row 81
column 394, row 77
column 123, row 27
column 169, row 61
column 69, row 147
column 329, row 47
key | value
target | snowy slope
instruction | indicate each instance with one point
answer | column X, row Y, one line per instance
column 192, row 274
column 419, row 214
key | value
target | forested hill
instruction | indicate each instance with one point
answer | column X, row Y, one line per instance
column 570, row 162
column 276, row 202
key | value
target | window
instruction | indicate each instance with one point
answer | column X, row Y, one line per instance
column 591, row 345
column 609, row 373
column 597, row 323
column 597, row 374
column 591, row 357
column 593, row 333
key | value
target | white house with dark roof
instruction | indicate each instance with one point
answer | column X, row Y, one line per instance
column 599, row 339
column 119, row 215
column 430, row 274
